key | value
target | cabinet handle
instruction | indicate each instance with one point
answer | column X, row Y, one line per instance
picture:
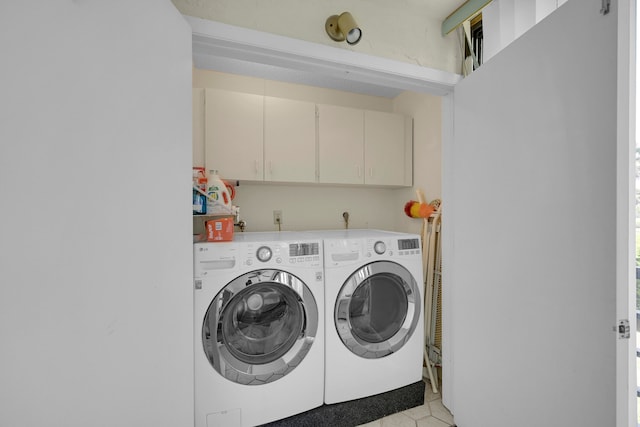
column 256, row 166
column 270, row 167
column 370, row 172
column 358, row 169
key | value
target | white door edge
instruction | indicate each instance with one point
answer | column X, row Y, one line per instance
column 447, row 249
column 626, row 406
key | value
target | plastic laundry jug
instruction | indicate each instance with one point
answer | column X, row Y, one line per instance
column 199, row 191
column 218, row 197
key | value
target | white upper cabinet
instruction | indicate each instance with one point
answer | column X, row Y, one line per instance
column 340, row 145
column 289, row 140
column 198, row 126
column 364, row 147
column 234, row 134
column 262, row 138
column 387, row 143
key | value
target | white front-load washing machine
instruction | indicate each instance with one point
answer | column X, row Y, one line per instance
column 374, row 312
column 259, row 328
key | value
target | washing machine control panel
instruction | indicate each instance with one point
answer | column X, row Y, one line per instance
column 379, row 247
column 305, row 254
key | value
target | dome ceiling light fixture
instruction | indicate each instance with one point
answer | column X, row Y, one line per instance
column 343, row 27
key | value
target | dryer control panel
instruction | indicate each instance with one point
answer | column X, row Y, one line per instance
column 388, row 247
column 409, row 247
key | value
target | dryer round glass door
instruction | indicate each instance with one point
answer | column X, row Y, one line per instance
column 377, row 309
column 260, row 326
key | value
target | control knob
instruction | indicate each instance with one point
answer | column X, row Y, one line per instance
column 263, row 253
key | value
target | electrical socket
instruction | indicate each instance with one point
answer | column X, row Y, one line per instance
column 277, row 217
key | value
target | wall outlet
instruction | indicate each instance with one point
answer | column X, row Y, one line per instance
column 277, row 217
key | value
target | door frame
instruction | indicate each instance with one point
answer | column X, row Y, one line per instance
column 213, row 40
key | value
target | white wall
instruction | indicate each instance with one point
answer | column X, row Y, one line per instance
column 404, row 30
column 426, row 111
column 321, row 206
column 95, row 254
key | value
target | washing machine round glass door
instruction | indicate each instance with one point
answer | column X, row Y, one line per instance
column 377, row 309
column 260, row 326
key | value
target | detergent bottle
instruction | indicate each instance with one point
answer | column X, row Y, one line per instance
column 199, row 191
column 218, row 198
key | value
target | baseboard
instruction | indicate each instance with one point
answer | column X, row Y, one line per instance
column 359, row 411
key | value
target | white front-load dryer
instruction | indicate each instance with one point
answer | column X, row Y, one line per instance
column 259, row 328
column 374, row 312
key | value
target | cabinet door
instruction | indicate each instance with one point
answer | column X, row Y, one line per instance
column 198, row 126
column 234, row 134
column 340, row 145
column 289, row 140
column 385, row 148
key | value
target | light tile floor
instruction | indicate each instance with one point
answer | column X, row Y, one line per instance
column 432, row 414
